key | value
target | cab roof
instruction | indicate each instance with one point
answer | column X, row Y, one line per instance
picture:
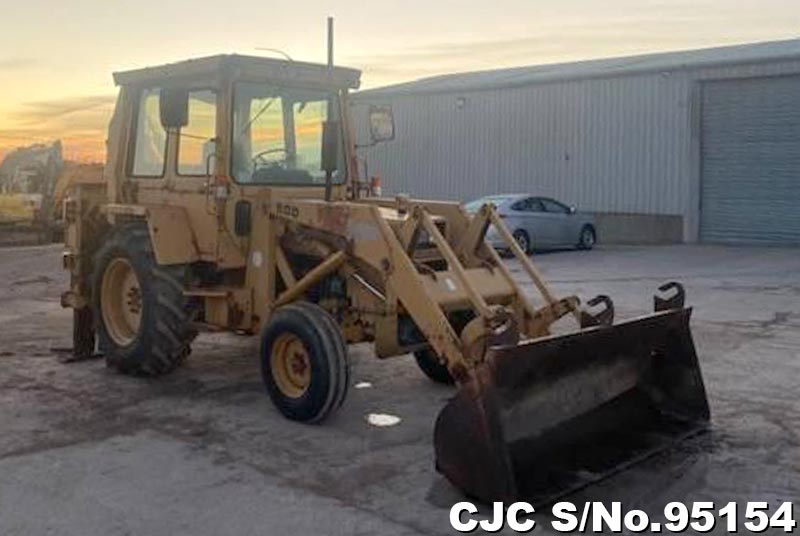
column 244, row 67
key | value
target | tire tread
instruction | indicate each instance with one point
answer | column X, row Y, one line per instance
column 328, row 335
column 166, row 341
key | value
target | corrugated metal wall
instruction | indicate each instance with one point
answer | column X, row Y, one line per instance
column 616, row 145
column 583, row 142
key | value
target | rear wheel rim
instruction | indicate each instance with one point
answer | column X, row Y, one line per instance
column 587, row 238
column 290, row 363
column 522, row 241
column 121, row 301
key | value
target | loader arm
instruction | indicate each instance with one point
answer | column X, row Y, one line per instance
column 369, row 240
column 469, row 278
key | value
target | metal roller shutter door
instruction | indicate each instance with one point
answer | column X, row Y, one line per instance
column 751, row 161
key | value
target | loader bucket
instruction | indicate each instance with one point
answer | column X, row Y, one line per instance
column 547, row 417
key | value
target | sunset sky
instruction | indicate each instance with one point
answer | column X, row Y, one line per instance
column 56, row 58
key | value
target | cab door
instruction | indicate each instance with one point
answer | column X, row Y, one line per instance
column 174, row 166
column 195, row 148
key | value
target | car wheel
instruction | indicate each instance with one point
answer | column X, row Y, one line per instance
column 588, row 237
column 523, row 241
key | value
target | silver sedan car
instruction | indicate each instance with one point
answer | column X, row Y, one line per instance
column 539, row 222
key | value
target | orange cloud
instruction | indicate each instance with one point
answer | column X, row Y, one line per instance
column 79, row 122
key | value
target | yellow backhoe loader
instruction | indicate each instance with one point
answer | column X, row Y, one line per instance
column 232, row 200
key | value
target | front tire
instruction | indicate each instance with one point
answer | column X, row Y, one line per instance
column 142, row 318
column 304, row 362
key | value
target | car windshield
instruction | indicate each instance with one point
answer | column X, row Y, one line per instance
column 277, row 134
column 496, row 200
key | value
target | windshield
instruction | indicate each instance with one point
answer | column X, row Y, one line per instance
column 277, row 134
column 496, row 200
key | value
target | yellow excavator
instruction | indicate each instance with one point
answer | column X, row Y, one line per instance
column 232, row 200
column 27, row 181
column 34, row 181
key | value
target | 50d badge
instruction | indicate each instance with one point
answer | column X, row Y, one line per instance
column 290, row 211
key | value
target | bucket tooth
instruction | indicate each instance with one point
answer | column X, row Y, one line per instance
column 676, row 301
column 603, row 317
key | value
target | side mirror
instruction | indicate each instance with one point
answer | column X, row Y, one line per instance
column 174, row 108
column 381, row 123
column 573, row 209
column 330, row 146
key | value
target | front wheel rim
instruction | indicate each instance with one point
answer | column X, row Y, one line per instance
column 522, row 242
column 121, row 301
column 588, row 238
column 290, row 364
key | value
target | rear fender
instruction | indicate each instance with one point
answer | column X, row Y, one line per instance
column 170, row 230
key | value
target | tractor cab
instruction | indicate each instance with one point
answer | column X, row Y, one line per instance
column 240, row 121
column 200, row 142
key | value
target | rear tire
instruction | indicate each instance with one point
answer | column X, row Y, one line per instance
column 433, row 369
column 523, row 241
column 144, row 326
column 588, row 238
column 304, row 362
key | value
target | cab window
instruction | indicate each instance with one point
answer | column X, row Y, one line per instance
column 277, row 135
column 150, row 138
column 197, row 140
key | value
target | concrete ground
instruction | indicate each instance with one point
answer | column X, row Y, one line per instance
column 86, row 451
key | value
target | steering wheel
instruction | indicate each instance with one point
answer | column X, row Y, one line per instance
column 259, row 158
